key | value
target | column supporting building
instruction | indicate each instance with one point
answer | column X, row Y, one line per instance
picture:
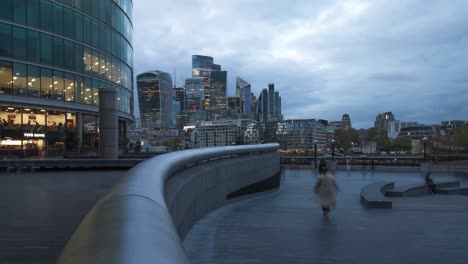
column 108, row 124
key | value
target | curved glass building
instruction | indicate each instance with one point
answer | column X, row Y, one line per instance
column 54, row 58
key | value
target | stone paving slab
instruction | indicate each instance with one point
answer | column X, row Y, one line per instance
column 287, row 227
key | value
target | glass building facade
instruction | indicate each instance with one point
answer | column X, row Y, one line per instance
column 155, row 98
column 54, row 58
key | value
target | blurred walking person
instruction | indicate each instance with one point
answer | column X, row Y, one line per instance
column 326, row 189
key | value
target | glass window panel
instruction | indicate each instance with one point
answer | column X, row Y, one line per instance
column 33, row 122
column 102, row 10
column 34, row 46
column 57, row 18
column 33, row 16
column 108, row 12
column 78, row 26
column 102, row 69
column 95, row 63
column 114, row 43
column 57, row 45
column 88, row 91
column 79, row 58
column 19, row 11
column 47, row 87
column 46, row 15
column 79, row 89
column 5, row 40
column 6, row 82
column 102, row 37
column 87, row 6
column 5, row 11
column 68, row 2
column 68, row 55
column 58, row 85
column 19, row 43
column 78, row 4
column 88, row 61
column 19, row 79
column 95, row 92
column 108, row 39
column 69, row 87
column 95, row 11
column 46, row 49
column 87, row 30
column 108, row 74
column 34, row 81
column 68, row 16
column 95, row 34
column 114, row 70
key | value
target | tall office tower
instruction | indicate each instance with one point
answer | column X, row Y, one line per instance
column 55, row 56
column 179, row 95
column 245, row 94
column 381, row 121
column 262, row 107
column 155, row 98
column 194, row 94
column 214, row 82
column 346, row 122
column 180, row 114
column 271, row 100
column 218, row 90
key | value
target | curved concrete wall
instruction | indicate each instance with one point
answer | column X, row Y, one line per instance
column 144, row 217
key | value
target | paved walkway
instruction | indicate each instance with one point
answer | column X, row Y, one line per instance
column 41, row 210
column 287, row 227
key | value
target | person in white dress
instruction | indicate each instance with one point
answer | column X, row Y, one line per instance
column 326, row 188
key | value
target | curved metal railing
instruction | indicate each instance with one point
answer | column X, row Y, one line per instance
column 132, row 224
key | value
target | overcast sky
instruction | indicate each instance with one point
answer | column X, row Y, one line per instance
column 326, row 58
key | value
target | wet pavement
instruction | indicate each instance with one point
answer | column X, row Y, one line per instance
column 287, row 226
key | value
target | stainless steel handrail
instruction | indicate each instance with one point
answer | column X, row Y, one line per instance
column 132, row 224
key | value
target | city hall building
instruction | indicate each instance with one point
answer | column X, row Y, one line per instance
column 55, row 56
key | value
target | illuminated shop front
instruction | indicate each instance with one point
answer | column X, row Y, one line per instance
column 28, row 132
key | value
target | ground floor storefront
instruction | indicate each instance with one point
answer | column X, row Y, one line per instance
column 40, row 132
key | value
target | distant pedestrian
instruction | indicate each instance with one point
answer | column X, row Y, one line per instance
column 326, row 188
column 430, row 183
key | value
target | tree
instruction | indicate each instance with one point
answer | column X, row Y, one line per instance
column 346, row 138
column 460, row 137
column 402, row 143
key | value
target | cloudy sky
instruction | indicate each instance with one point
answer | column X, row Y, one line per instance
column 325, row 57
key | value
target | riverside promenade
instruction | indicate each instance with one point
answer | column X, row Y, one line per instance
column 287, row 226
column 41, row 210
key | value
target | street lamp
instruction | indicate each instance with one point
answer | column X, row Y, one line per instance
column 333, row 149
column 425, row 148
column 315, row 149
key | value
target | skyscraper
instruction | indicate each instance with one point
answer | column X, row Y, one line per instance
column 269, row 105
column 346, row 122
column 55, row 57
column 214, row 81
column 155, row 98
column 381, row 121
column 243, row 88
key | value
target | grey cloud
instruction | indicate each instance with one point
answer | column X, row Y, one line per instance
column 325, row 57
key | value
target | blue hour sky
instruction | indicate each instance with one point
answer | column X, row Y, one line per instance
column 326, row 58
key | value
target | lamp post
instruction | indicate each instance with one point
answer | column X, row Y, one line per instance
column 333, row 149
column 425, row 148
column 315, row 151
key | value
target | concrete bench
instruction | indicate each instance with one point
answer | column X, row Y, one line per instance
column 372, row 195
column 418, row 189
column 452, row 190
